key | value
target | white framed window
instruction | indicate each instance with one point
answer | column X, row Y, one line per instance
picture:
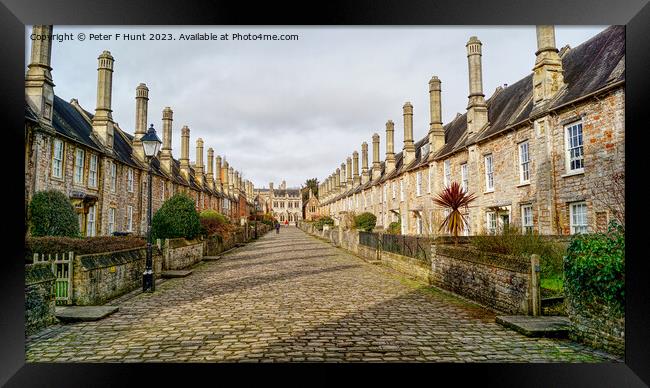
column 418, row 223
column 386, row 192
column 90, row 224
column 466, row 226
column 491, row 221
column 524, row 163
column 57, row 158
column 489, row 173
column 574, row 151
column 111, row 220
column 129, row 180
column 578, row 215
column 394, row 190
column 401, row 189
column 92, row 171
column 447, row 168
column 527, row 219
column 113, row 176
column 79, row 166
column 129, row 218
column 418, row 183
column 429, row 179
column 464, row 183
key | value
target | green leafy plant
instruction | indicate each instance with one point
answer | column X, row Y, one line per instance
column 177, row 217
column 325, row 220
column 51, row 214
column 594, row 267
column 213, row 222
column 80, row 246
column 454, row 198
column 394, row 227
column 365, row 221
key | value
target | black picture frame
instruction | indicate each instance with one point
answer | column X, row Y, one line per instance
column 15, row 14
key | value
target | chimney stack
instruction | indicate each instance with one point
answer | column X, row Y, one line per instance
column 166, row 151
column 103, row 119
column 231, row 180
column 39, row 87
column 409, row 148
column 337, row 176
column 218, row 172
column 477, row 115
column 355, row 160
column 224, row 178
column 365, row 173
column 376, row 164
column 548, row 76
column 436, row 131
column 141, row 102
column 348, row 171
column 198, row 168
column 390, row 150
column 185, row 153
column 210, row 168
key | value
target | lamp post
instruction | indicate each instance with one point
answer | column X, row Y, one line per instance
column 151, row 144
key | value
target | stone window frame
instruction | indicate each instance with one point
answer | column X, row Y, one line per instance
column 111, row 220
column 447, row 172
column 385, row 192
column 129, row 180
column 113, row 176
column 91, row 221
column 489, row 172
column 572, row 218
column 524, row 165
column 429, row 179
column 525, row 227
column 394, row 184
column 93, row 182
column 61, row 161
column 464, row 177
column 129, row 218
column 401, row 190
column 568, row 136
column 418, row 183
column 78, row 175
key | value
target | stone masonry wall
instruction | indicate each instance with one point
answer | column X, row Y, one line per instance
column 39, row 298
column 179, row 253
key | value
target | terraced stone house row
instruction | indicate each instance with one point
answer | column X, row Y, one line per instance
column 102, row 167
column 541, row 154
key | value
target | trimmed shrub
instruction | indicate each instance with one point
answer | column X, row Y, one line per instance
column 394, row 228
column 365, row 221
column 325, row 220
column 213, row 222
column 51, row 214
column 80, row 246
column 176, row 218
column 594, row 267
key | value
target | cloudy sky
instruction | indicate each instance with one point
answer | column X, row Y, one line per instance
column 293, row 110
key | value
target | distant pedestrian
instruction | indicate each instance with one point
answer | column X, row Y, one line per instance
column 277, row 227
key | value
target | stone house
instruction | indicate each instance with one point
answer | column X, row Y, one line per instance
column 311, row 207
column 542, row 154
column 284, row 204
column 102, row 167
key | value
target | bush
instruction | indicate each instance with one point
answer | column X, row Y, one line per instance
column 80, row 246
column 176, row 218
column 594, row 267
column 51, row 214
column 394, row 228
column 213, row 222
column 365, row 221
column 325, row 220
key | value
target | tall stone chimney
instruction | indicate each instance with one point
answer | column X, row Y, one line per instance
column 365, row 173
column 236, row 182
column 185, row 152
column 166, row 150
column 217, row 169
column 390, row 150
column 198, row 168
column 436, row 131
column 548, row 76
column 141, row 102
column 39, row 87
column 210, row 174
column 225, row 182
column 103, row 119
column 409, row 147
column 355, row 168
column 376, row 164
column 477, row 114
column 348, row 171
column 337, row 176
column 231, row 180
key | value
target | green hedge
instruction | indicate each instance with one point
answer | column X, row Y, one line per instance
column 365, row 221
column 80, row 246
column 323, row 221
column 594, row 267
column 51, row 213
column 176, row 218
column 213, row 222
column 394, row 228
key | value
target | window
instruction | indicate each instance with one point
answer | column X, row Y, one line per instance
column 491, row 222
column 111, row 221
column 129, row 218
column 401, row 189
column 113, row 176
column 418, row 183
column 394, row 189
column 463, row 177
column 524, row 161
column 92, row 171
column 386, row 192
column 447, row 168
column 90, row 225
column 578, row 214
column 418, row 223
column 404, row 221
column 57, row 159
column 574, row 152
column 489, row 175
column 162, row 190
column 527, row 218
column 79, row 166
column 429, row 180
column 129, row 180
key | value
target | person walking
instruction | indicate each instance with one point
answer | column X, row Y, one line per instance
column 277, row 227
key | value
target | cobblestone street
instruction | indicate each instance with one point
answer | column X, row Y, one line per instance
column 291, row 297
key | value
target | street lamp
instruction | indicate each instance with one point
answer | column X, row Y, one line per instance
column 151, row 144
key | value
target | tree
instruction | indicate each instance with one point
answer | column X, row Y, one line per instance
column 454, row 198
column 177, row 217
column 309, row 183
column 51, row 214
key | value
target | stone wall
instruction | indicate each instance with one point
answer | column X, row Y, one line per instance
column 39, row 298
column 596, row 324
column 98, row 278
column 497, row 281
column 418, row 269
column 179, row 253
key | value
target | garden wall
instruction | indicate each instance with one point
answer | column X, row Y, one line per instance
column 179, row 253
column 39, row 299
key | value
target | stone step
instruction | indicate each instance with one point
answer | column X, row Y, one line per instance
column 69, row 314
column 176, row 274
column 211, row 258
column 543, row 326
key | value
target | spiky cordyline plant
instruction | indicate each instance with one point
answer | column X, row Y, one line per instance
column 453, row 198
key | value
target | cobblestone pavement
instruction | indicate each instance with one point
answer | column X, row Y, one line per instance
column 292, row 297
